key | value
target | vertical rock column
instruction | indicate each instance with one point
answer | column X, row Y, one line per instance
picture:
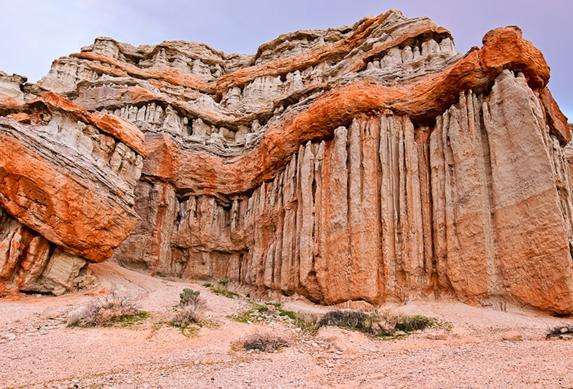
column 404, row 174
column 350, row 245
column 501, row 201
column 463, row 238
column 531, row 227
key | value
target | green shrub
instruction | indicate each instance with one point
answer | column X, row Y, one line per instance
column 354, row 320
column 274, row 312
column 189, row 297
column 414, row 323
column 187, row 313
column 381, row 325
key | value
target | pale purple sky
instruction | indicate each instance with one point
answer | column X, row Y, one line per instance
column 34, row 32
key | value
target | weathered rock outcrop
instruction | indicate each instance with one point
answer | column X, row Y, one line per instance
column 67, row 179
column 370, row 162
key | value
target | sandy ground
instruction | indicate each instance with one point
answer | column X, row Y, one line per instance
column 38, row 350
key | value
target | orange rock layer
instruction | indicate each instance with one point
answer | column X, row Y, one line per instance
column 388, row 210
column 422, row 100
column 60, row 192
column 370, row 163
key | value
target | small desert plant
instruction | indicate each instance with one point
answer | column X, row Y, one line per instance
column 113, row 309
column 378, row 324
column 187, row 313
column 274, row 312
column 186, row 316
column 189, row 297
column 220, row 288
column 414, row 323
column 256, row 313
column 354, row 320
column 223, row 291
column 264, row 342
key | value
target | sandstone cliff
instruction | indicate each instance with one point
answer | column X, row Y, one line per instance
column 67, row 180
column 370, row 162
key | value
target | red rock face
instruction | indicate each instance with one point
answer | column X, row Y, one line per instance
column 67, row 178
column 367, row 163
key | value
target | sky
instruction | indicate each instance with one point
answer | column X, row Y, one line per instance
column 35, row 32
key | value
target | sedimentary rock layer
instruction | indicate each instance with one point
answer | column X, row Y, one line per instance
column 477, row 207
column 67, row 178
column 369, row 162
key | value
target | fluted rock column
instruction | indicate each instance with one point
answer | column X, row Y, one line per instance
column 532, row 240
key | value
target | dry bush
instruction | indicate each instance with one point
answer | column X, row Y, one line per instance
column 187, row 312
column 264, row 342
column 112, row 309
column 382, row 324
column 186, row 316
column 354, row 320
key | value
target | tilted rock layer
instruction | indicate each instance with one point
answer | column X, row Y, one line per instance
column 370, row 162
column 67, row 181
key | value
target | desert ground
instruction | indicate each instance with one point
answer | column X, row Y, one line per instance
column 479, row 347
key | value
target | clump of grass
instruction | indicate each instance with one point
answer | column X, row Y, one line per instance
column 221, row 288
column 256, row 313
column 107, row 311
column 381, row 325
column 128, row 320
column 414, row 323
column 223, row 291
column 354, row 320
column 264, row 343
column 274, row 312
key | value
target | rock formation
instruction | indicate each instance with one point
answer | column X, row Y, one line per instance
column 67, row 181
column 370, row 162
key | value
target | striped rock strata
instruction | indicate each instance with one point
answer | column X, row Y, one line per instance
column 370, row 162
column 67, row 180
